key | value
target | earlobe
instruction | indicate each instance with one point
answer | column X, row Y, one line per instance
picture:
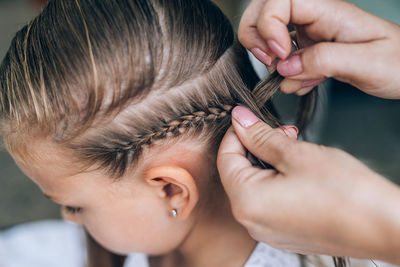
column 177, row 186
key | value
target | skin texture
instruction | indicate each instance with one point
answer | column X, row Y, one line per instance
column 338, row 39
column 134, row 214
column 319, row 201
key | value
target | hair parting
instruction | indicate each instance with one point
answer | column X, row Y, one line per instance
column 104, row 79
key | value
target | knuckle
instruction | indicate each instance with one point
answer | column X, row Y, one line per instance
column 282, row 148
column 244, row 208
column 243, row 37
column 325, row 157
column 238, row 176
column 289, row 86
column 286, row 90
column 286, row 87
column 298, row 152
column 238, row 214
column 244, row 214
column 324, row 150
column 262, row 19
column 242, row 30
column 261, row 137
column 321, row 59
column 274, row 142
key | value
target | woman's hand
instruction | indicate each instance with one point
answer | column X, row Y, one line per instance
column 340, row 40
column 319, row 201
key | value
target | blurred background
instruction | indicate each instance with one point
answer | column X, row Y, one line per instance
column 364, row 126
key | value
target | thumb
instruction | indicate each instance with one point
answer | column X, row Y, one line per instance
column 344, row 61
column 234, row 167
column 270, row 145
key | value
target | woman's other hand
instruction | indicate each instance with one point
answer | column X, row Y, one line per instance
column 347, row 43
column 319, row 201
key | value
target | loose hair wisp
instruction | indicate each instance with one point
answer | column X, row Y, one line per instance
column 106, row 78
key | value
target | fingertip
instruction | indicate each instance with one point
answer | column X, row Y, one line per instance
column 248, row 33
column 289, row 86
column 272, row 26
column 291, row 67
column 304, row 91
column 267, row 144
column 244, row 116
column 290, row 131
column 277, row 38
column 262, row 56
column 277, row 49
column 246, row 36
column 313, row 83
column 252, row 40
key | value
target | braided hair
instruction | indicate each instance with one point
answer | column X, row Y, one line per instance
column 108, row 78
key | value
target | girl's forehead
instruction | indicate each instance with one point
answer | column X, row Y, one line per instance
column 56, row 174
column 44, row 161
column 41, row 152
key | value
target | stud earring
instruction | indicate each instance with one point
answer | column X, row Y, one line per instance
column 295, row 45
column 174, row 213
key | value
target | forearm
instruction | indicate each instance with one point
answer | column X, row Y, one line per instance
column 391, row 224
column 378, row 232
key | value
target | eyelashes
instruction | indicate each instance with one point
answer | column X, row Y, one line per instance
column 72, row 210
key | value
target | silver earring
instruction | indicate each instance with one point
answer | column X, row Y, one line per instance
column 174, row 213
column 295, row 45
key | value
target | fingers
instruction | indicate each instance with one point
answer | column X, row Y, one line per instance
column 270, row 145
column 289, row 86
column 272, row 25
column 249, row 36
column 265, row 22
column 346, row 62
column 231, row 151
column 234, row 167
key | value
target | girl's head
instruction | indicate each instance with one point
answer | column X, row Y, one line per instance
column 116, row 109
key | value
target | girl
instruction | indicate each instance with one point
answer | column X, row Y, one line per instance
column 116, row 109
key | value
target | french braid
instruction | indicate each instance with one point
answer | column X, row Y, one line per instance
column 80, row 62
column 174, row 127
column 117, row 155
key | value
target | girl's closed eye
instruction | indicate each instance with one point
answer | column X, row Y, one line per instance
column 72, row 210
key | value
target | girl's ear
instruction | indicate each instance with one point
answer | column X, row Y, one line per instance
column 177, row 186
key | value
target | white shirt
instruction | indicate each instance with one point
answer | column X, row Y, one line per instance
column 62, row 244
column 262, row 256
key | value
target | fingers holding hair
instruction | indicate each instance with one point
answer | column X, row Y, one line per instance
column 233, row 164
column 273, row 146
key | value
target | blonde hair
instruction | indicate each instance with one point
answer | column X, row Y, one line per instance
column 106, row 78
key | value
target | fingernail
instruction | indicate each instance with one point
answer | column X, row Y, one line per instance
column 276, row 48
column 312, row 83
column 244, row 116
column 290, row 131
column 291, row 66
column 261, row 56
